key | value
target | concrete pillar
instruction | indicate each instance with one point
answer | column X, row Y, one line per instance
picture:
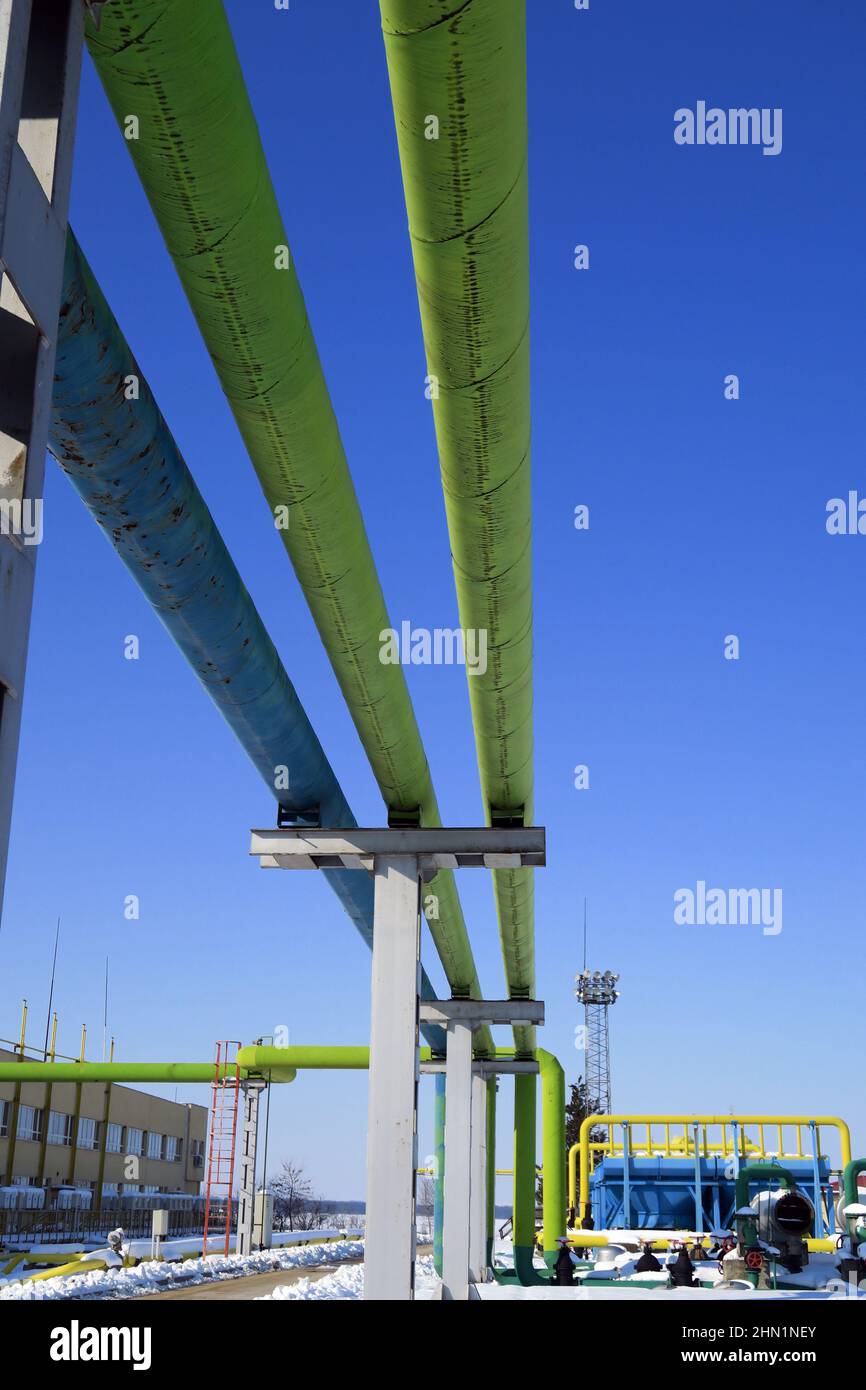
column 458, row 1151
column 392, row 1145
column 247, row 1187
column 40, row 64
column 478, row 1180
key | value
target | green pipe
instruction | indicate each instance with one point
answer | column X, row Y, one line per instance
column 491, row 1168
column 115, row 1071
column 852, row 1171
column 751, row 1172
column 458, row 88
column 439, row 1176
column 553, row 1152
column 523, row 1220
column 199, row 154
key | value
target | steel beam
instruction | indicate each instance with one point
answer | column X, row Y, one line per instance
column 481, row 1011
column 437, row 847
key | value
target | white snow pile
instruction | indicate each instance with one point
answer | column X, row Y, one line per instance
column 155, row 1276
column 349, row 1283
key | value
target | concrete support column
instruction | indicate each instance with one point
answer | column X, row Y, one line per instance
column 247, row 1186
column 478, row 1189
column 458, row 1149
column 40, row 62
column 389, row 1259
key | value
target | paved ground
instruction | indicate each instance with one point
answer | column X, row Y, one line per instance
column 255, row 1285
column 251, row 1286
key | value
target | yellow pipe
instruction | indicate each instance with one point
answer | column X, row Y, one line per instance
column 75, row 1267
column 608, row 1121
column 23, row 1026
column 589, row 1240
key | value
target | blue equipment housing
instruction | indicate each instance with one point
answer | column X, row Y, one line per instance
column 658, row 1193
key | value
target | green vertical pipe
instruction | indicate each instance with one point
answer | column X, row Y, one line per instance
column 553, row 1151
column 491, row 1167
column 523, row 1221
column 439, row 1175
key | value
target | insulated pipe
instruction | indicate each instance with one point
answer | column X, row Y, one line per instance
column 200, row 158
column 553, row 1152
column 853, row 1168
column 163, row 1072
column 439, row 1171
column 458, row 86
column 523, row 1219
column 751, row 1172
column 122, row 460
column 491, row 1168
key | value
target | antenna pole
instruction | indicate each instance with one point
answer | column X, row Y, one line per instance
column 51, row 992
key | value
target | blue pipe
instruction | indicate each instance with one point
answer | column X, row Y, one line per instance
column 122, row 460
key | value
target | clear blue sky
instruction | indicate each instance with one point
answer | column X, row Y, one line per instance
column 707, row 518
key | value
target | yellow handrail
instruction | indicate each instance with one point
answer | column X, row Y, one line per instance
column 585, row 1147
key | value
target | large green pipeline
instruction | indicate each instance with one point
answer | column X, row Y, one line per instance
column 553, row 1152
column 523, row 1219
column 120, row 1072
column 458, row 86
column 174, row 67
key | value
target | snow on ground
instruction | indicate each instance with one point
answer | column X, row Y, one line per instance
column 349, row 1283
column 154, row 1276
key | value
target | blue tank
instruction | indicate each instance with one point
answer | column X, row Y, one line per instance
column 659, row 1193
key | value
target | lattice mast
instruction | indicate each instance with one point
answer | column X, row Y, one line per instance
column 596, row 991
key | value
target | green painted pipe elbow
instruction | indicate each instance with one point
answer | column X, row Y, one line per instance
column 747, row 1174
column 553, row 1151
column 850, row 1175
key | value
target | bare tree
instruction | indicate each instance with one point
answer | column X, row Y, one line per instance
column 296, row 1207
column 424, row 1203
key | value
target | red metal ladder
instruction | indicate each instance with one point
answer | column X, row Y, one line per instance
column 221, row 1142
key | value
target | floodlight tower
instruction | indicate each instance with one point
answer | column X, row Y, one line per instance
column 596, row 991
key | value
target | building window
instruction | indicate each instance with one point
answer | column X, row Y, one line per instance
column 114, row 1139
column 154, row 1144
column 29, row 1122
column 88, row 1131
column 171, row 1153
column 198, row 1153
column 5, row 1108
column 59, row 1128
column 134, row 1141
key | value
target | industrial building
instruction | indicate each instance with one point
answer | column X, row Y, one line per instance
column 110, row 1139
